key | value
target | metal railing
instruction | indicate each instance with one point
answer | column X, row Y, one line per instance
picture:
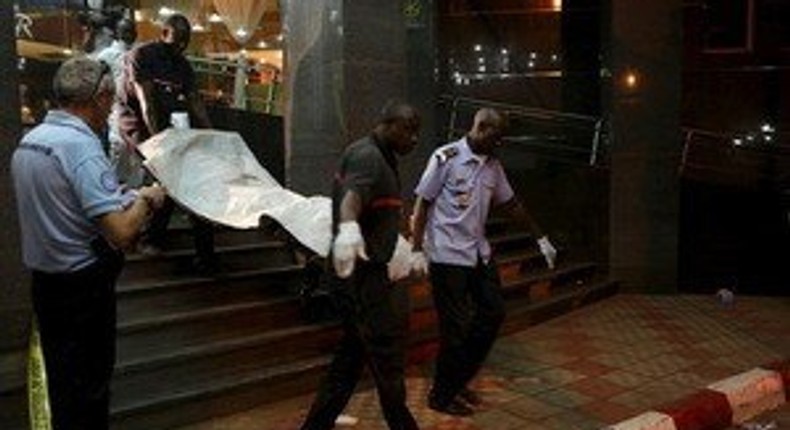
column 562, row 137
column 735, row 158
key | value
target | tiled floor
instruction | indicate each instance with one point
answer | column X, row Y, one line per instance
column 584, row 370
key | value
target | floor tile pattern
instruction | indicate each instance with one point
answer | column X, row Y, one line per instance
column 593, row 367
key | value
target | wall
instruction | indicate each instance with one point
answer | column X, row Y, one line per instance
column 14, row 290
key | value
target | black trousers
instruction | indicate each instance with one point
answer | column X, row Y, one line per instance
column 470, row 309
column 76, row 318
column 202, row 231
column 375, row 321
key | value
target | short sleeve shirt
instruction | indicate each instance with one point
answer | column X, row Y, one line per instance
column 63, row 183
column 369, row 168
column 173, row 80
column 461, row 187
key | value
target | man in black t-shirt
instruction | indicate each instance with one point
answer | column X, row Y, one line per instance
column 366, row 213
column 158, row 81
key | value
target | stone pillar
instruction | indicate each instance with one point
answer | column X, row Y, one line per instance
column 422, row 86
column 581, row 59
column 14, row 292
column 643, row 96
column 344, row 60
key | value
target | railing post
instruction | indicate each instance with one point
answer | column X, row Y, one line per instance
column 684, row 153
column 453, row 114
column 595, row 143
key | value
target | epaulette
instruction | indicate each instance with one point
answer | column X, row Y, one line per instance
column 446, row 154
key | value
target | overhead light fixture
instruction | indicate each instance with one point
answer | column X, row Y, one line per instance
column 241, row 32
column 214, row 18
column 166, row 11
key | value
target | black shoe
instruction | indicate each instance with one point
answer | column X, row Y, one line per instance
column 454, row 407
column 470, row 397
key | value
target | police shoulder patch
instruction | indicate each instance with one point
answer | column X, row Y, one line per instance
column 109, row 181
column 446, row 154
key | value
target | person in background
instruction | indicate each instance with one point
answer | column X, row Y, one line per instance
column 461, row 182
column 157, row 82
column 75, row 222
column 127, row 162
column 366, row 216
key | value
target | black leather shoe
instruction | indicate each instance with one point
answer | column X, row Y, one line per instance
column 470, row 397
column 454, row 407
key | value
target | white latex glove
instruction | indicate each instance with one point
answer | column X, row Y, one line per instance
column 419, row 264
column 348, row 245
column 399, row 265
column 548, row 251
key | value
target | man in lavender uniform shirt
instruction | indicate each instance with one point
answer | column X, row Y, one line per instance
column 461, row 182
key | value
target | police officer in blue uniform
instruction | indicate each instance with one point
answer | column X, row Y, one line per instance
column 75, row 221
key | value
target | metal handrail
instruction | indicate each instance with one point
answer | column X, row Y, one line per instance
column 724, row 142
column 547, row 115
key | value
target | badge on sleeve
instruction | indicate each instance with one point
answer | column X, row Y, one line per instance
column 446, row 154
column 109, row 181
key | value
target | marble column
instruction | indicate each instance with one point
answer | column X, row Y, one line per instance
column 344, row 60
column 643, row 58
column 14, row 292
column 15, row 307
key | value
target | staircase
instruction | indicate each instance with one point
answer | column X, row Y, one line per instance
column 191, row 348
column 532, row 292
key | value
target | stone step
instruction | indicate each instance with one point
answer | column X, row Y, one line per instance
column 198, row 375
column 542, row 283
column 213, row 398
column 521, row 313
column 138, row 339
column 199, row 367
column 143, row 299
column 179, row 263
column 525, row 313
column 231, row 367
column 180, row 237
column 508, row 241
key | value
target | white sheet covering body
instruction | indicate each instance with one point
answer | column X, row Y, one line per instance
column 215, row 175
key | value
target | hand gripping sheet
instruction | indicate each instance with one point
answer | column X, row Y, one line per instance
column 215, row 175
